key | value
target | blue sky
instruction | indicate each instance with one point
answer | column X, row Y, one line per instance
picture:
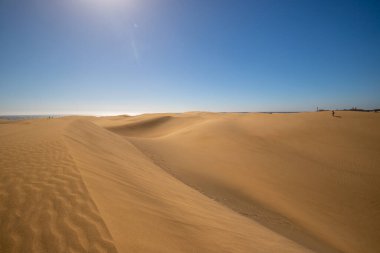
column 134, row 56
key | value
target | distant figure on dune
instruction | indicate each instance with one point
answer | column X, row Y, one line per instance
column 333, row 113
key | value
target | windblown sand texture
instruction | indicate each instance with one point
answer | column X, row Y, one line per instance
column 192, row 182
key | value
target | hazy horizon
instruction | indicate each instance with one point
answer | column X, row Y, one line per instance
column 123, row 56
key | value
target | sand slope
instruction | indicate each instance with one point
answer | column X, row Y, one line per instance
column 148, row 210
column 44, row 203
column 193, row 182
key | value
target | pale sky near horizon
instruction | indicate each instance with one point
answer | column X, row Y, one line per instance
column 134, row 56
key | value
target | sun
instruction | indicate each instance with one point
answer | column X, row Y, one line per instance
column 107, row 5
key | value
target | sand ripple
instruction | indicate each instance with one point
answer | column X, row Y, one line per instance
column 45, row 206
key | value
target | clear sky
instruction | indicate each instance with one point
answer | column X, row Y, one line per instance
column 133, row 56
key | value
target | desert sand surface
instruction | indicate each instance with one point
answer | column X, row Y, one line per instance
column 191, row 182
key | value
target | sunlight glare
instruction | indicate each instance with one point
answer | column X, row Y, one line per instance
column 107, row 5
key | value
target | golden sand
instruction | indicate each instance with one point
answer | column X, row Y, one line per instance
column 192, row 182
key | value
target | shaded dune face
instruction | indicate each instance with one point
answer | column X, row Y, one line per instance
column 151, row 125
column 192, row 182
column 142, row 126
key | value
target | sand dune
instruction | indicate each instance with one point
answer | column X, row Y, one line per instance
column 192, row 182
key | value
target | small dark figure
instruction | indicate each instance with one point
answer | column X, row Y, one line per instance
column 333, row 113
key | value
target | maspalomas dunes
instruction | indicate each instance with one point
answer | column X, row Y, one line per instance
column 192, row 182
